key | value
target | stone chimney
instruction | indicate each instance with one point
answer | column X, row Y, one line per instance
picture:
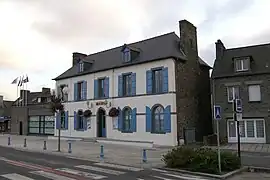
column 220, row 48
column 1, row 101
column 188, row 39
column 77, row 57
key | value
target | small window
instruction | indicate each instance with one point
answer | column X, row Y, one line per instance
column 127, row 119
column 80, row 121
column 233, row 93
column 81, row 67
column 157, row 81
column 63, row 117
column 127, row 85
column 126, row 55
column 80, row 90
column 101, row 89
column 242, row 64
column 158, row 119
column 254, row 92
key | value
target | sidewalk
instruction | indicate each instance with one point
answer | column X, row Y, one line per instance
column 120, row 154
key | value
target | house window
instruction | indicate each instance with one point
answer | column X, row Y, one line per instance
column 63, row 93
column 158, row 119
column 80, row 90
column 80, row 121
column 127, row 85
column 254, row 93
column 233, row 93
column 157, row 81
column 126, row 55
column 127, row 119
column 241, row 64
column 81, row 67
column 101, row 90
column 63, row 117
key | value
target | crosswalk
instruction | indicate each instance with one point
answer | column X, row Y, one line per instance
column 94, row 171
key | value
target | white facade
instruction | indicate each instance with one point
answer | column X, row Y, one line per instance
column 139, row 101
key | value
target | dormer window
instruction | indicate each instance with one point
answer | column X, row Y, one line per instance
column 81, row 67
column 126, row 55
column 242, row 64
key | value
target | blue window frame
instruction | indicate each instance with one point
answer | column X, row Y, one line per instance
column 63, row 119
column 158, row 119
column 157, row 81
column 101, row 90
column 127, row 85
column 80, row 122
column 127, row 118
column 126, row 55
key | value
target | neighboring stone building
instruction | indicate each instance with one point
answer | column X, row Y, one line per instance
column 243, row 73
column 5, row 112
column 33, row 116
column 159, row 85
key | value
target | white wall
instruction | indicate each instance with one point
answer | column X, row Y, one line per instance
column 138, row 101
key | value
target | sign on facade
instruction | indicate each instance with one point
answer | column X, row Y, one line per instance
column 217, row 112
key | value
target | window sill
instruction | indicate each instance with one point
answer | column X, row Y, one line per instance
column 100, row 98
column 158, row 132
column 79, row 129
column 255, row 101
column 126, row 132
column 157, row 93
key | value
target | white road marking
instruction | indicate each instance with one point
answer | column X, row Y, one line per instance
column 98, row 169
column 51, row 175
column 116, row 166
column 81, row 173
column 162, row 178
column 159, row 170
column 14, row 176
column 185, row 177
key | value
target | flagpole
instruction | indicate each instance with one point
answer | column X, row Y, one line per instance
column 26, row 92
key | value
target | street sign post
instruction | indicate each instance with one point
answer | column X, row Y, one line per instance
column 237, row 114
column 217, row 116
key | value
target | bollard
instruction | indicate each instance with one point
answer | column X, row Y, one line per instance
column 44, row 146
column 24, row 145
column 101, row 152
column 8, row 140
column 144, row 156
column 69, row 147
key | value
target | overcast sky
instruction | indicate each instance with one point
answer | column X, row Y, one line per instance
column 37, row 37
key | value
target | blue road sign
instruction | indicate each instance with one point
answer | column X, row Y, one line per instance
column 217, row 112
column 238, row 105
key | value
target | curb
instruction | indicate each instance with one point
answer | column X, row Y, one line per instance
column 224, row 176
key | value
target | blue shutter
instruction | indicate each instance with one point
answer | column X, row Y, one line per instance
column 75, row 121
column 120, row 85
column 58, row 121
column 95, row 88
column 106, row 87
column 148, row 119
column 85, row 123
column 167, row 119
column 134, row 120
column 149, row 80
column 165, row 80
column 120, row 120
column 66, row 119
column 84, row 90
column 75, row 91
column 133, row 84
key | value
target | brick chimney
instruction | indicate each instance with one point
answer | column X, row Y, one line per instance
column 220, row 48
column 77, row 57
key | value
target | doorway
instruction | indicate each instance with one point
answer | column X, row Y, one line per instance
column 101, row 123
column 21, row 128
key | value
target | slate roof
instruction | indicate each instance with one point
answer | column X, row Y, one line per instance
column 156, row 48
column 260, row 61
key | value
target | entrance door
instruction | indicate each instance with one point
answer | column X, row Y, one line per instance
column 21, row 128
column 101, row 123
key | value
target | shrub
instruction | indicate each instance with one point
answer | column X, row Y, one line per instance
column 200, row 159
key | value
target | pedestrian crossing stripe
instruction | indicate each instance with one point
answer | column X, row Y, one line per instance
column 51, row 175
column 15, row 176
column 82, row 173
column 102, row 170
column 117, row 166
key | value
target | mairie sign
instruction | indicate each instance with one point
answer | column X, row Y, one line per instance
column 217, row 112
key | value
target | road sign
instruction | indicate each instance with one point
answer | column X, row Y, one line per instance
column 217, row 112
column 238, row 105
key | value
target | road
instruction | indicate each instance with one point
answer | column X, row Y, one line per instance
column 23, row 165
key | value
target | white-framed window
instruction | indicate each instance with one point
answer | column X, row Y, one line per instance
column 254, row 93
column 241, row 64
column 81, row 67
column 233, row 93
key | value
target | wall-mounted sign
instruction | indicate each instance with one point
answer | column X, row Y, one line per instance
column 100, row 103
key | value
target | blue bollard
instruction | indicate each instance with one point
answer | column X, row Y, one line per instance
column 144, row 156
column 9, row 140
column 44, row 146
column 24, row 145
column 101, row 152
column 69, row 147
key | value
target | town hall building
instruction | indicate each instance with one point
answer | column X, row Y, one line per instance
column 155, row 91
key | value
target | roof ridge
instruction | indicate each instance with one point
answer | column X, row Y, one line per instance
column 166, row 34
column 250, row 46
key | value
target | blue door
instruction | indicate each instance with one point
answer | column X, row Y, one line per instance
column 101, row 123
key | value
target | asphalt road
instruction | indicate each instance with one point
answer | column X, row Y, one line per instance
column 23, row 165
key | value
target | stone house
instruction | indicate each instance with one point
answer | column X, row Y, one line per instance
column 243, row 73
column 160, row 88
column 5, row 112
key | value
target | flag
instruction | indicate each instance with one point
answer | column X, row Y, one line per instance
column 26, row 80
column 15, row 81
column 20, row 81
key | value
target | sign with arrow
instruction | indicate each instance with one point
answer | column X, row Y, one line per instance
column 217, row 112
